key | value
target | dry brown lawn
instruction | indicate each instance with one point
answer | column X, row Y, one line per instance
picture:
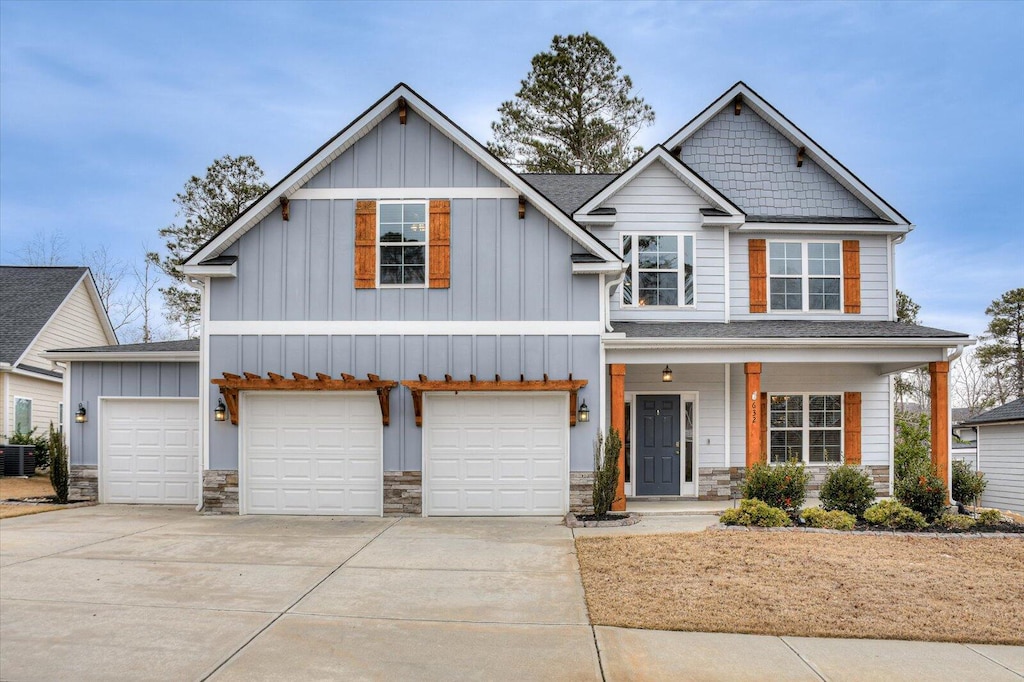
column 15, row 488
column 810, row 585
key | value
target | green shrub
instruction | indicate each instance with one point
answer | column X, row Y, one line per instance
column 837, row 519
column 912, row 445
column 782, row 486
column 59, row 465
column 924, row 493
column 42, row 444
column 606, row 471
column 990, row 517
column 755, row 513
column 968, row 485
column 847, row 489
column 956, row 521
column 892, row 514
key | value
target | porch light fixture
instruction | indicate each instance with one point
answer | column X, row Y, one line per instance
column 666, row 374
column 80, row 416
column 584, row 412
column 220, row 413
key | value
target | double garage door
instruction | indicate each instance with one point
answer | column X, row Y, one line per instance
column 484, row 454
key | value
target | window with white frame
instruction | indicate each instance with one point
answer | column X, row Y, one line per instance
column 22, row 415
column 402, row 243
column 805, row 276
column 805, row 427
column 659, row 270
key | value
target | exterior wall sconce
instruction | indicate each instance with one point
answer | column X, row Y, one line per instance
column 584, row 412
column 80, row 415
column 666, row 374
column 220, row 413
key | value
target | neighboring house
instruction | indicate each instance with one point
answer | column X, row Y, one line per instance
column 1001, row 455
column 405, row 324
column 43, row 307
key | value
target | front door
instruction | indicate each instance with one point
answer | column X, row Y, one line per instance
column 658, row 446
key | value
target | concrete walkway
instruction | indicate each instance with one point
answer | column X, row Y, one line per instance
column 124, row 592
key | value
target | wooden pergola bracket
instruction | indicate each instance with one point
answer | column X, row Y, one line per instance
column 449, row 385
column 231, row 384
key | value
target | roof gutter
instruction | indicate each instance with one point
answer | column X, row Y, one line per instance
column 617, row 341
column 123, row 356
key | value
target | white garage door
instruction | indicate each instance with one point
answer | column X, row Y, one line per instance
column 149, row 451
column 312, row 453
column 503, row 454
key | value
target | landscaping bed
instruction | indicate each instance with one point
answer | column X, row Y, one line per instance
column 885, row 586
column 20, row 496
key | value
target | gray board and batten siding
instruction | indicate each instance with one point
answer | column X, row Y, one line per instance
column 754, row 165
column 91, row 381
column 503, row 269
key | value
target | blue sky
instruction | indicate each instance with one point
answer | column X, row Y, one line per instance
column 107, row 108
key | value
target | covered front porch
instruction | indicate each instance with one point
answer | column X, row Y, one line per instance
column 695, row 416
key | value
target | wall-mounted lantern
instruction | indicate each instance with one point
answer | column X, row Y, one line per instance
column 220, row 413
column 666, row 374
column 584, row 412
column 80, row 415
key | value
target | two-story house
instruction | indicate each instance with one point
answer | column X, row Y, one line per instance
column 405, row 324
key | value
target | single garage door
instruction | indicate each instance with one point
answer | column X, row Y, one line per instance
column 496, row 454
column 149, row 451
column 312, row 453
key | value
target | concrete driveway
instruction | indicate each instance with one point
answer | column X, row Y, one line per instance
column 127, row 592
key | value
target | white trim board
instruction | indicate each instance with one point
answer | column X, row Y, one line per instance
column 405, row 193
column 406, row 328
column 123, row 356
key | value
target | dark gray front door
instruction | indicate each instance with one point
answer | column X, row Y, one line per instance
column 657, row 452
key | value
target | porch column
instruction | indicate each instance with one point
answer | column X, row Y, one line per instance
column 939, row 394
column 752, row 397
column 618, row 417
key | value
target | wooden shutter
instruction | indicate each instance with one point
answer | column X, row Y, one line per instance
column 764, row 426
column 440, row 244
column 366, row 244
column 851, row 275
column 757, row 256
column 851, row 427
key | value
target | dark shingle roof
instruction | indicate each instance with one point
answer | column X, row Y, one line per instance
column 824, row 220
column 568, row 191
column 179, row 345
column 781, row 329
column 29, row 295
column 1010, row 412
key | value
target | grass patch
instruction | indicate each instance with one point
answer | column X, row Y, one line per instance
column 17, row 488
column 808, row 585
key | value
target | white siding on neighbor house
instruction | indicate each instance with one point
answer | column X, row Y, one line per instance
column 45, row 396
column 1001, row 457
column 874, row 276
column 708, row 382
column 76, row 324
column 876, row 439
column 656, row 201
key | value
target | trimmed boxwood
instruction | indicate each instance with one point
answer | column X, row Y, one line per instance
column 847, row 489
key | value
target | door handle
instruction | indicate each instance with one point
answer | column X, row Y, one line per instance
column 677, row 449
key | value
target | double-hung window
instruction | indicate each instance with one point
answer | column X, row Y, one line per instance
column 805, row 427
column 659, row 270
column 23, row 415
column 402, row 243
column 805, row 276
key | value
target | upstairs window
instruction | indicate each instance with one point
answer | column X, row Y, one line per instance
column 659, row 270
column 805, row 276
column 402, row 243
column 805, row 428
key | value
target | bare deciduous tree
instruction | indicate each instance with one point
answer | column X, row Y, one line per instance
column 108, row 273
column 970, row 386
column 47, row 247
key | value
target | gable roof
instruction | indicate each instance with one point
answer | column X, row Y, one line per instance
column 1010, row 412
column 798, row 137
column 30, row 296
column 687, row 175
column 348, row 136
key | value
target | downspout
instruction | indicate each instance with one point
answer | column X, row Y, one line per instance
column 204, row 390
column 607, row 303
